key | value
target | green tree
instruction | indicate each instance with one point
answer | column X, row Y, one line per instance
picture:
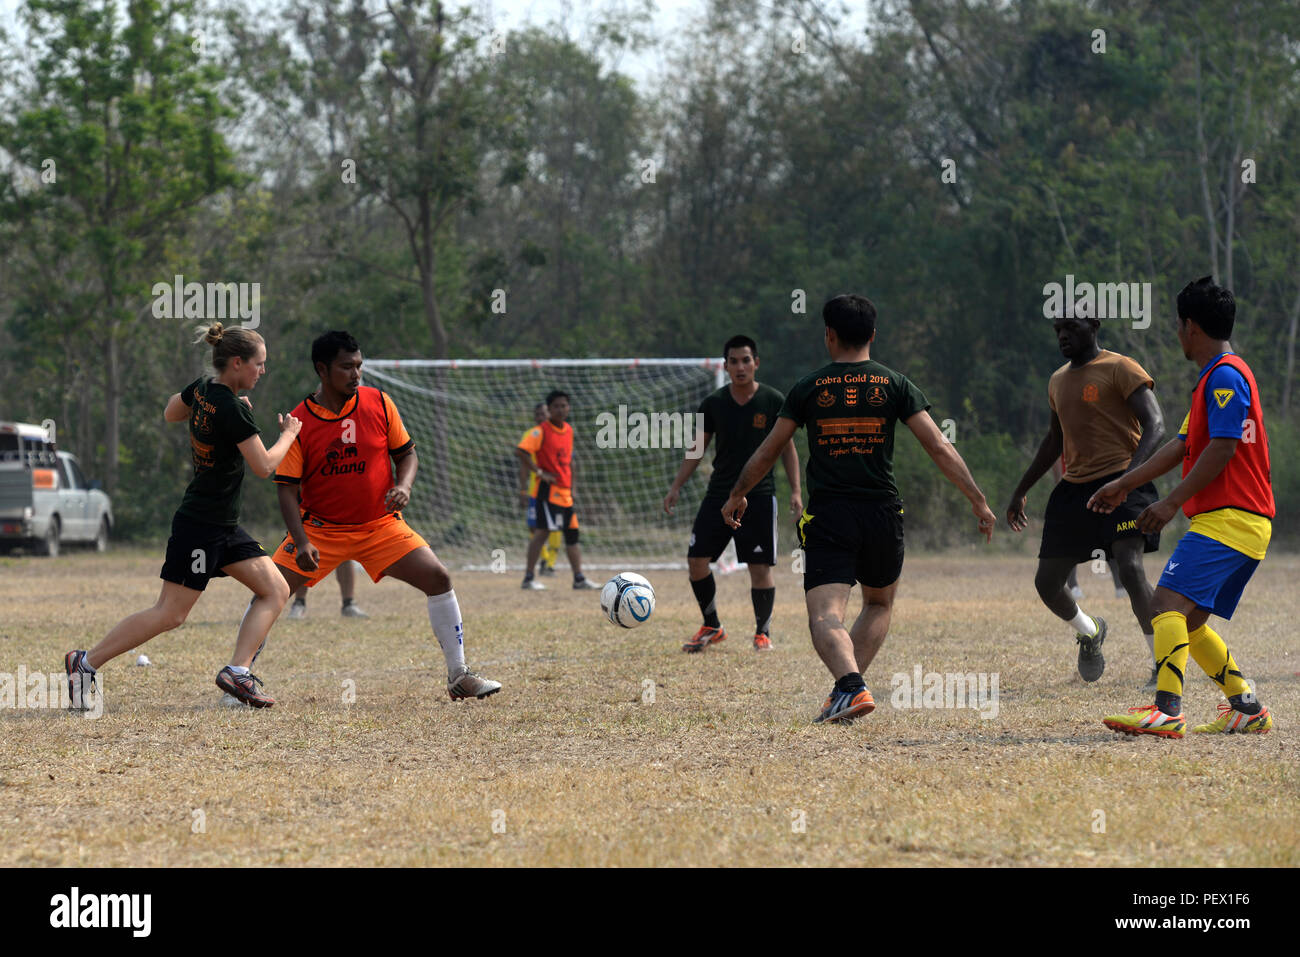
column 122, row 118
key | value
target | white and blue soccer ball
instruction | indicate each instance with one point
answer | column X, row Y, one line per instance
column 628, row 600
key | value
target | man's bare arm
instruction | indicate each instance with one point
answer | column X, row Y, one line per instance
column 953, row 466
column 684, row 472
column 790, row 462
column 1144, row 405
column 764, row 457
column 400, row 494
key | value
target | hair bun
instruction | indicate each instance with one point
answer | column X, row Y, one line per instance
column 214, row 334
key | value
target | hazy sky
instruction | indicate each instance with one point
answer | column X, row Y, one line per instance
column 512, row 14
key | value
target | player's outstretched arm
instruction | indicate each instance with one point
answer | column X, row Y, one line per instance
column 1109, row 497
column 953, row 466
column 1049, row 450
column 176, row 410
column 759, row 464
column 1209, row 464
column 263, row 460
column 684, row 472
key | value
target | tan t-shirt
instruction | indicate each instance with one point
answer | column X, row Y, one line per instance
column 1100, row 429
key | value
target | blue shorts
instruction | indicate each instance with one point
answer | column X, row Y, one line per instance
column 532, row 513
column 1208, row 573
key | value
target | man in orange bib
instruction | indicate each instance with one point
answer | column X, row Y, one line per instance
column 547, row 452
column 350, row 504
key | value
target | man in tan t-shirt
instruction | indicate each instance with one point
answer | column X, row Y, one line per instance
column 1106, row 420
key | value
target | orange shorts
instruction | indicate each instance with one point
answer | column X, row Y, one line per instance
column 376, row 545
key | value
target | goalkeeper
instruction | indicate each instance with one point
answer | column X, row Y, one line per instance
column 528, row 482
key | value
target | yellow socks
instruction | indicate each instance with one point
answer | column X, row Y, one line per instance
column 1171, row 647
column 1209, row 651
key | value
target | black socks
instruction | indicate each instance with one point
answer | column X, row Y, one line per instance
column 706, row 591
column 764, row 599
column 1245, row 707
column 850, row 683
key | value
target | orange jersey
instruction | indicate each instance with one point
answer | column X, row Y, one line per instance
column 552, row 449
column 341, row 463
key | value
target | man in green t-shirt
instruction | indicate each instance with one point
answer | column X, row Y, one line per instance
column 852, row 529
column 741, row 415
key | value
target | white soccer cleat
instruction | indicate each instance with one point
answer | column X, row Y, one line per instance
column 351, row 610
column 467, row 684
column 532, row 584
column 298, row 610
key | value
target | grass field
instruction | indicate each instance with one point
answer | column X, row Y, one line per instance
column 579, row 761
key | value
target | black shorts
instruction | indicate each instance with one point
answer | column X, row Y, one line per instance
column 558, row 518
column 1072, row 530
column 852, row 540
column 755, row 539
column 197, row 551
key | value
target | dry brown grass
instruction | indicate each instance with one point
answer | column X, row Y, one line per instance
column 712, row 773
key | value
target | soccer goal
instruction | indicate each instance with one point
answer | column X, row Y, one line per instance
column 467, row 415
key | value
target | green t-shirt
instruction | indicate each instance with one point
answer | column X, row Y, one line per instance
column 218, row 423
column 738, row 431
column 850, row 410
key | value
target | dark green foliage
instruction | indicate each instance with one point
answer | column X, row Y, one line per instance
column 661, row 219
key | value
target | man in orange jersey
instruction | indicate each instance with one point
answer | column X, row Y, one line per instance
column 547, row 452
column 528, row 482
column 350, row 505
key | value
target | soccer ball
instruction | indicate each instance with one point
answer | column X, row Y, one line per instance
column 627, row 600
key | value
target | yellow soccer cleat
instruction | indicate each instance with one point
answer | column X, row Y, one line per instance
column 1147, row 720
column 1232, row 721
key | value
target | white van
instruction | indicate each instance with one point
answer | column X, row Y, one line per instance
column 45, row 501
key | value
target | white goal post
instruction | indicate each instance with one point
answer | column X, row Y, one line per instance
column 467, row 415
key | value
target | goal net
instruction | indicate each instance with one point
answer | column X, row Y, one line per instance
column 629, row 417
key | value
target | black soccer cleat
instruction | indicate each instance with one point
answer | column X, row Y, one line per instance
column 1091, row 661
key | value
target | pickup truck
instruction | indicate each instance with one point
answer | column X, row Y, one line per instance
column 45, row 501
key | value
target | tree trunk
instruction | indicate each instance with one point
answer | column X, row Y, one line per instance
column 443, row 503
column 83, row 387
column 1289, row 378
column 1202, row 162
column 112, row 410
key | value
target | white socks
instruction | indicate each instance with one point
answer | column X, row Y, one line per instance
column 1082, row 624
column 444, row 616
